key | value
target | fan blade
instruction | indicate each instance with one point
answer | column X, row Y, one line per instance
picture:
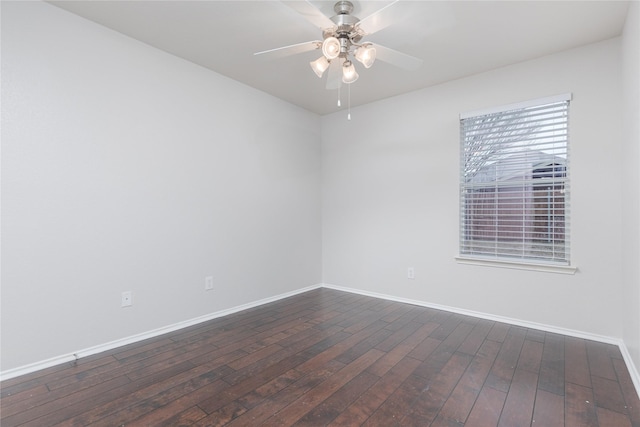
column 294, row 49
column 377, row 20
column 311, row 13
column 334, row 74
column 399, row 59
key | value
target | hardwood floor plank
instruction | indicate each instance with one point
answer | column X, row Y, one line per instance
column 255, row 357
column 18, row 384
column 298, row 337
column 498, row 332
column 608, row 418
column 607, row 394
column 66, row 406
column 322, row 317
column 507, row 360
column 599, row 357
column 361, row 323
column 548, row 410
column 405, row 320
column 428, row 403
column 335, row 350
column 311, row 346
column 579, row 408
column 185, row 418
column 535, row 335
column 276, row 402
column 458, row 406
column 250, row 382
column 476, row 338
column 154, row 367
column 393, row 409
column 363, row 346
column 423, row 350
column 444, row 351
column 235, row 346
column 23, row 400
column 426, row 315
column 487, row 409
column 447, row 326
column 358, row 412
column 131, row 406
column 312, row 398
column 327, row 357
column 551, row 376
column 222, row 416
column 530, row 356
column 576, row 368
column 628, row 391
column 398, row 335
column 87, row 382
column 518, row 407
column 68, row 373
column 266, row 391
column 398, row 352
column 397, row 312
column 335, row 404
column 137, row 352
column 284, row 322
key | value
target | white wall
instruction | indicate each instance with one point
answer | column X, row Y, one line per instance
column 631, row 181
column 390, row 195
column 125, row 168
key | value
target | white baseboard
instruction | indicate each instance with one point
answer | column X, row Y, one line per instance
column 66, row 358
column 633, row 372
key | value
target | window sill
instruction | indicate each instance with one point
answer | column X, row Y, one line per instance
column 547, row 268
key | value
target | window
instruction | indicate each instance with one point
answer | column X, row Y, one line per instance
column 514, row 183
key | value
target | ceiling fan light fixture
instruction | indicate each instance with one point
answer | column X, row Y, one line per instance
column 349, row 73
column 319, row 66
column 366, row 55
column 331, row 48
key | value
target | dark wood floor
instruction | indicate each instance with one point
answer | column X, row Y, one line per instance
column 332, row 358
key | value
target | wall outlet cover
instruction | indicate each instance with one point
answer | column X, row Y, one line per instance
column 127, row 299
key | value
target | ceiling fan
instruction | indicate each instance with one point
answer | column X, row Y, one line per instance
column 342, row 40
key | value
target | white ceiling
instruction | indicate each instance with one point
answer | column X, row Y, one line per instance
column 454, row 38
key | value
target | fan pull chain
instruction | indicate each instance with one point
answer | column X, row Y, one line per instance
column 349, row 103
column 339, row 96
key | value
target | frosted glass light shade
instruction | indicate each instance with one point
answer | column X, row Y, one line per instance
column 319, row 66
column 366, row 55
column 331, row 47
column 349, row 74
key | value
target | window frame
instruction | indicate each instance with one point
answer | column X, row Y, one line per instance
column 501, row 259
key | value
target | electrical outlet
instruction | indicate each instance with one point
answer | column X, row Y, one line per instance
column 411, row 274
column 127, row 299
column 208, row 283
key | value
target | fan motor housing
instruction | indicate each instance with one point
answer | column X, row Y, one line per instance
column 343, row 7
column 345, row 23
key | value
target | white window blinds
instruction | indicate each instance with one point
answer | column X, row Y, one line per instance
column 514, row 183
